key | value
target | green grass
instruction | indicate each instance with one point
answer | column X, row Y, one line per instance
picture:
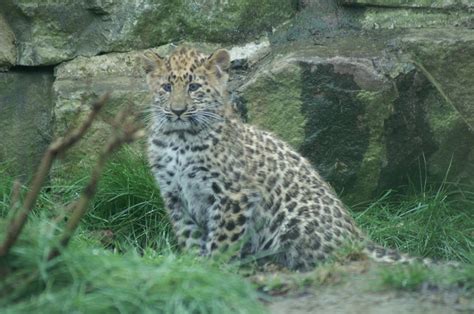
column 127, row 207
column 436, row 222
column 86, row 278
column 128, row 204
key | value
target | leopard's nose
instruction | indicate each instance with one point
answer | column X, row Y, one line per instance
column 178, row 112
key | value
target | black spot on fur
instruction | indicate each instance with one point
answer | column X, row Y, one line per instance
column 327, row 236
column 277, row 222
column 230, row 225
column 186, row 233
column 216, row 188
column 235, row 237
column 316, row 242
column 291, row 206
column 236, row 208
column 241, row 220
column 211, row 199
column 159, row 143
column 292, row 234
column 199, row 148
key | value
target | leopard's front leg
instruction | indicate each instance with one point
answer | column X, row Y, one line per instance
column 190, row 236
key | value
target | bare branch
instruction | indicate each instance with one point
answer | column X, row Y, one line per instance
column 58, row 147
column 126, row 131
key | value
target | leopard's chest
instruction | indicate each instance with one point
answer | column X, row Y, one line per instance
column 186, row 174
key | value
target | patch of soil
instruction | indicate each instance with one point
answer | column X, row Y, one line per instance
column 353, row 289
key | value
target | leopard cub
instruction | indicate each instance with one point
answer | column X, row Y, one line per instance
column 228, row 184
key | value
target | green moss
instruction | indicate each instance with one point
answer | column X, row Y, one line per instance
column 25, row 117
column 279, row 110
column 453, row 157
column 406, row 18
column 335, row 140
column 378, row 108
column 234, row 20
column 411, row 3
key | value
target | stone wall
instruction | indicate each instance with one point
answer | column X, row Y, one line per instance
column 370, row 91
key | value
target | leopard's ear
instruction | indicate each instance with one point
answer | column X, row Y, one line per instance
column 219, row 61
column 152, row 62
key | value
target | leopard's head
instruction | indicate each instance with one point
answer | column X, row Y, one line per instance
column 189, row 88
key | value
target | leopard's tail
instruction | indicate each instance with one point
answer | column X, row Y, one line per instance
column 384, row 255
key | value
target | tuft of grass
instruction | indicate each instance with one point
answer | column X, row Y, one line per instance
column 437, row 222
column 89, row 279
column 128, row 203
column 127, row 211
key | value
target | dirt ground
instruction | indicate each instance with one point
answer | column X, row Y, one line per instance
column 354, row 289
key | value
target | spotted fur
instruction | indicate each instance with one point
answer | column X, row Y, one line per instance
column 228, row 184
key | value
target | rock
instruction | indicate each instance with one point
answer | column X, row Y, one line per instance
column 50, row 32
column 432, row 4
column 330, row 106
column 365, row 116
column 402, row 18
column 318, row 20
column 26, row 118
column 446, row 58
column 7, row 45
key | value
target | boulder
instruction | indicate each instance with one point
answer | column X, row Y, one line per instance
column 50, row 32
column 446, row 58
column 7, row 45
column 317, row 20
column 365, row 115
column 430, row 4
column 26, row 107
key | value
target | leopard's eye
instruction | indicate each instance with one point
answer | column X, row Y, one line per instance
column 193, row 87
column 166, row 87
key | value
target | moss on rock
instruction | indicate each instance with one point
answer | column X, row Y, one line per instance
column 275, row 101
column 25, row 118
column 378, row 107
column 49, row 32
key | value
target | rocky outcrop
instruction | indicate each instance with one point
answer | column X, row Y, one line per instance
column 50, row 32
column 368, row 117
column 446, row 58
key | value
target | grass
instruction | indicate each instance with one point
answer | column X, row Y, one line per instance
column 127, row 211
column 86, row 278
column 123, row 258
column 436, row 222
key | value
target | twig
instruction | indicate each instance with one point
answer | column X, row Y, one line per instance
column 55, row 149
column 126, row 131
